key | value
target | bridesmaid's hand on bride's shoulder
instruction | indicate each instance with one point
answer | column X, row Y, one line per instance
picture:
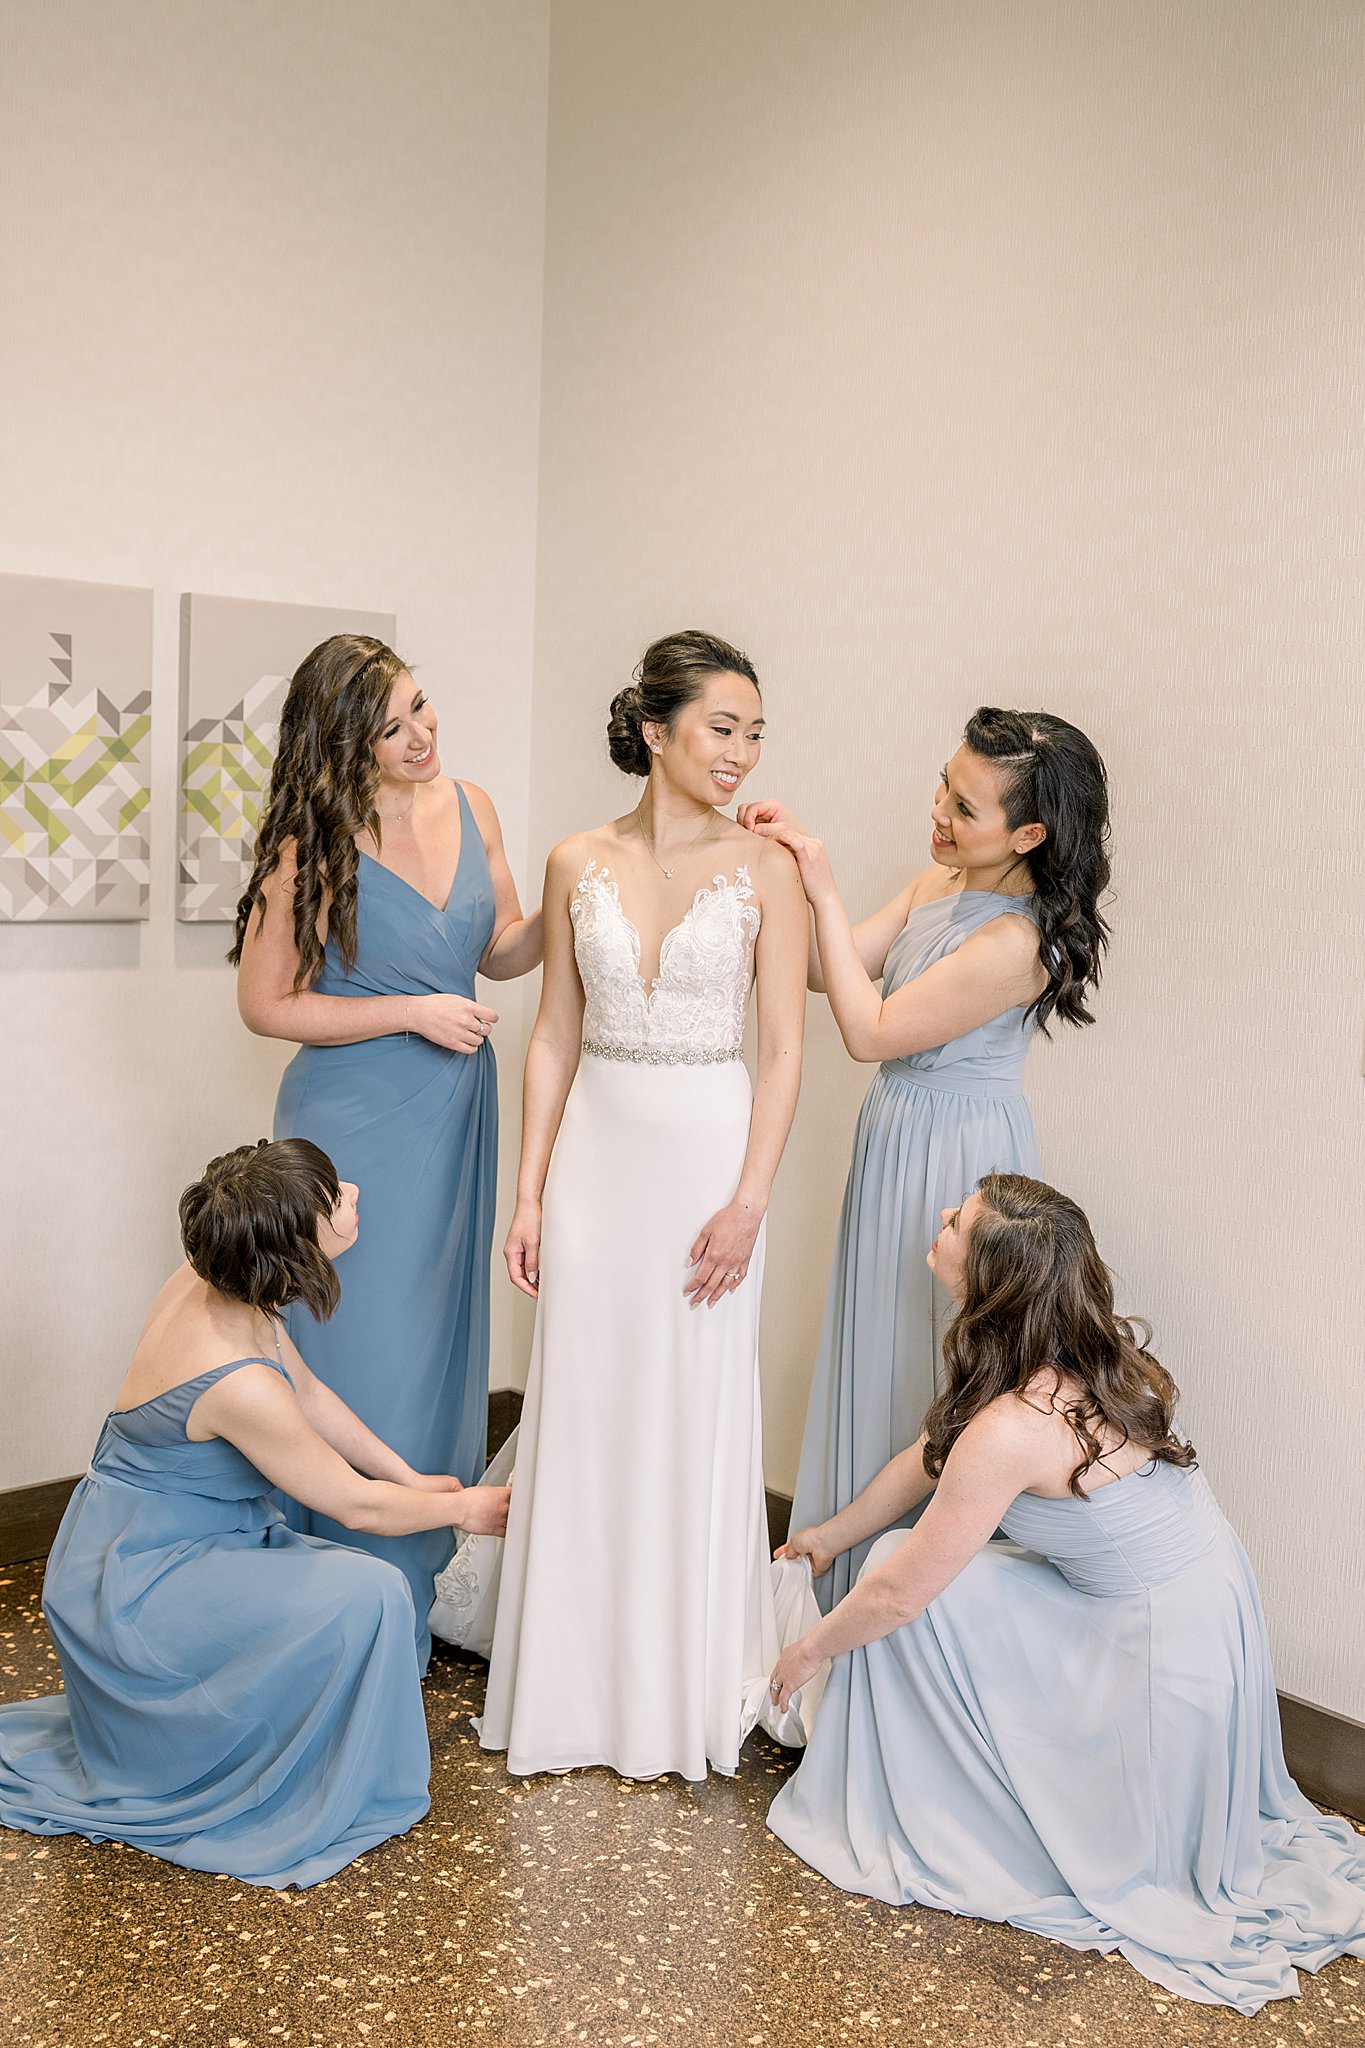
column 522, row 1249
column 767, row 811
column 482, row 1510
column 812, row 1544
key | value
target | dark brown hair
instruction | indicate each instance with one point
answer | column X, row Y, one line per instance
column 672, row 674
column 322, row 791
column 249, row 1225
column 1037, row 1295
column 1052, row 775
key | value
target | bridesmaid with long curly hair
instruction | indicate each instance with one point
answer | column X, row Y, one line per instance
column 380, row 888
column 1078, row 1737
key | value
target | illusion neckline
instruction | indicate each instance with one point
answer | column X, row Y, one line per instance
column 439, row 908
column 742, row 885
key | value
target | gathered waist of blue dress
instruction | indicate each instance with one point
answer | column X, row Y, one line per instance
column 953, row 1080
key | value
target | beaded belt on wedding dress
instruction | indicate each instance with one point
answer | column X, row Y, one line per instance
column 683, row 1056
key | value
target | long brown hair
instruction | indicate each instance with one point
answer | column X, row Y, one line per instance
column 322, row 791
column 1037, row 1295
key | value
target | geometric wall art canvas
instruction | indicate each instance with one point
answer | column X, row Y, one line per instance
column 236, row 657
column 75, row 753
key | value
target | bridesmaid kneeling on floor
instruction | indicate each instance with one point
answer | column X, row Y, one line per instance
column 239, row 1698
column 1083, row 1742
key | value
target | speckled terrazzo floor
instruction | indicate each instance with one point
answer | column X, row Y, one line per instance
column 550, row 1910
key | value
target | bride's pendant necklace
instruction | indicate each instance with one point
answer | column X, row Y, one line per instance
column 667, row 873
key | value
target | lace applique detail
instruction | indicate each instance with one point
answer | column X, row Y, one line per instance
column 698, row 1000
column 459, row 1585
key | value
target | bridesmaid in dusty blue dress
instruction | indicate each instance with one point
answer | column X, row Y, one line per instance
column 1000, row 934
column 380, row 889
column 238, row 1698
column 1083, row 1742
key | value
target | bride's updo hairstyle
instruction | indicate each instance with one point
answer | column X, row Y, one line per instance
column 672, row 675
column 1052, row 775
column 249, row 1225
column 322, row 791
column 1037, row 1297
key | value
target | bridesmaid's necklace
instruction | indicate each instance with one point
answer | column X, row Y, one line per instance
column 667, row 873
column 396, row 815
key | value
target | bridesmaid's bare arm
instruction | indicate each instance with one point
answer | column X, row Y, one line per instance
column 271, row 1006
column 516, row 946
column 901, row 1485
column 254, row 1410
column 872, row 935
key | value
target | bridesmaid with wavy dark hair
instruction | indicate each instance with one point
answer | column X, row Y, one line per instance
column 380, row 888
column 1079, row 1737
column 1001, row 934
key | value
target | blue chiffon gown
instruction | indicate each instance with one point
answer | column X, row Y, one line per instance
column 416, row 1128
column 930, row 1127
column 238, row 1698
column 1085, row 1743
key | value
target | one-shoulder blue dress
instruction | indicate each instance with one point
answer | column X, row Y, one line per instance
column 930, row 1127
column 1085, row 1743
column 238, row 1698
column 416, row 1128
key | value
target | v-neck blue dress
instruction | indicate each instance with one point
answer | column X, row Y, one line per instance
column 416, row 1128
column 238, row 1698
column 931, row 1126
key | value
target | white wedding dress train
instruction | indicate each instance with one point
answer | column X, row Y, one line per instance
column 632, row 1615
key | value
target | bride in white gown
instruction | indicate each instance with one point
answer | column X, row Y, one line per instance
column 638, row 1615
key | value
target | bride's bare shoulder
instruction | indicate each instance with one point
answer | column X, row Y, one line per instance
column 598, row 843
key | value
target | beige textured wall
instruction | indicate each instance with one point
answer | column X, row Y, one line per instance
column 988, row 349
column 272, row 284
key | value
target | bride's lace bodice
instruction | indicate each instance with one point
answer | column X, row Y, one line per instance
column 694, row 1009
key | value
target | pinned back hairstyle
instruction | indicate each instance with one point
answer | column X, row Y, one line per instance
column 1052, row 775
column 249, row 1225
column 1037, row 1295
column 673, row 674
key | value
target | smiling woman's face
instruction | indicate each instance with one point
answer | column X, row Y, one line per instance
column 405, row 749
column 970, row 832
column 948, row 1253
column 715, row 740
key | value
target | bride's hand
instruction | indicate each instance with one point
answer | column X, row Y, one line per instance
column 522, row 1249
column 720, row 1256
column 812, row 1544
column 767, row 811
column 482, row 1510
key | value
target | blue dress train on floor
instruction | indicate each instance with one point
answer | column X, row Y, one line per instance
column 931, row 1125
column 416, row 1128
column 1085, row 1743
column 239, row 1698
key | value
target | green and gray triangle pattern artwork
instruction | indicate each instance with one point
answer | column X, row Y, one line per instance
column 74, row 787
column 224, row 780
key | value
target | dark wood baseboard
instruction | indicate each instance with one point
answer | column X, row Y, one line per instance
column 29, row 1516
column 1325, row 1751
column 504, row 1413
